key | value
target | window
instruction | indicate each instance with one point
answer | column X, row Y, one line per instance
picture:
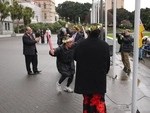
column 5, row 26
column 8, row 26
column 45, row 16
column 44, row 5
column 39, row 5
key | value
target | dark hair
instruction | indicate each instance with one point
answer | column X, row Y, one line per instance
column 95, row 33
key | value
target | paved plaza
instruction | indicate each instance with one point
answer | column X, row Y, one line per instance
column 20, row 93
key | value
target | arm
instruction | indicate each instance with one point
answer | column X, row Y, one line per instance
column 26, row 40
column 108, row 59
column 127, row 39
column 55, row 52
column 119, row 40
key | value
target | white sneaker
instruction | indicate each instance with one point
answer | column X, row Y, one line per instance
column 58, row 87
column 68, row 89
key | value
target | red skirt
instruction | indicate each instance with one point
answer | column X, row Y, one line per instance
column 94, row 103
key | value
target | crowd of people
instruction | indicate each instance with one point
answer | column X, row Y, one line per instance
column 91, row 54
column 92, row 63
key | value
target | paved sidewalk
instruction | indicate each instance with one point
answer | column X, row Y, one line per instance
column 20, row 93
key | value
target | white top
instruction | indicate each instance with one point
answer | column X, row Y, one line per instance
column 48, row 31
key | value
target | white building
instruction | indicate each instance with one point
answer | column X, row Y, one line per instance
column 37, row 11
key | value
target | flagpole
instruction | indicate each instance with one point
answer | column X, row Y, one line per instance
column 106, row 20
column 98, row 11
column 114, row 38
column 135, row 61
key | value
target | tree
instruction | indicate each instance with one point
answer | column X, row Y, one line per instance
column 73, row 10
column 14, row 11
column 27, row 14
column 4, row 13
column 20, row 15
column 122, row 14
column 145, row 18
column 126, row 24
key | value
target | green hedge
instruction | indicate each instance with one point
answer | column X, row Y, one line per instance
column 55, row 27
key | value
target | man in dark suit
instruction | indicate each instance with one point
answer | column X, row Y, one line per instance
column 30, row 51
column 76, row 34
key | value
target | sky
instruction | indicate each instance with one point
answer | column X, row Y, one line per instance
column 128, row 4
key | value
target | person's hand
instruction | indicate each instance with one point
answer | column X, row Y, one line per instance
column 66, row 25
column 37, row 39
column 121, row 36
column 52, row 52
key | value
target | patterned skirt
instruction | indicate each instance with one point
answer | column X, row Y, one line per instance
column 94, row 103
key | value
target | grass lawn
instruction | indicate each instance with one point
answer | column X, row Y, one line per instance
column 144, row 33
column 119, row 30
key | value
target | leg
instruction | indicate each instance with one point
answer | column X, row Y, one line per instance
column 140, row 53
column 34, row 63
column 86, row 103
column 123, row 61
column 28, row 59
column 99, row 101
column 67, row 88
column 127, row 62
column 94, row 103
column 69, row 80
column 58, row 84
column 62, row 78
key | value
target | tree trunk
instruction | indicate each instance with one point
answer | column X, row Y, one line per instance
column 18, row 25
column 1, row 28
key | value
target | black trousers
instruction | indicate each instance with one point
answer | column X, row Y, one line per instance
column 31, row 59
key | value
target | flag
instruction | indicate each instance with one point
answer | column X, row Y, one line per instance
column 141, row 29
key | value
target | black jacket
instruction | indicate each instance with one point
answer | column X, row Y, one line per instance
column 92, row 64
column 78, row 37
column 29, row 47
column 125, row 43
column 65, row 61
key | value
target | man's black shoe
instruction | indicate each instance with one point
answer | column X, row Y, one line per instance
column 37, row 72
column 128, row 71
column 125, row 69
column 30, row 73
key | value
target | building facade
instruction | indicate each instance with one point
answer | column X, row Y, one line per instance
column 48, row 10
column 120, row 4
column 37, row 12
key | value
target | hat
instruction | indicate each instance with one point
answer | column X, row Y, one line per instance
column 67, row 39
column 76, row 27
column 94, row 27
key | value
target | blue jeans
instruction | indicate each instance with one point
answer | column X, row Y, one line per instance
column 140, row 53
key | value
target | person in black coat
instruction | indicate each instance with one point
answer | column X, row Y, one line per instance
column 30, row 51
column 42, row 36
column 65, row 62
column 92, row 65
column 125, row 40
